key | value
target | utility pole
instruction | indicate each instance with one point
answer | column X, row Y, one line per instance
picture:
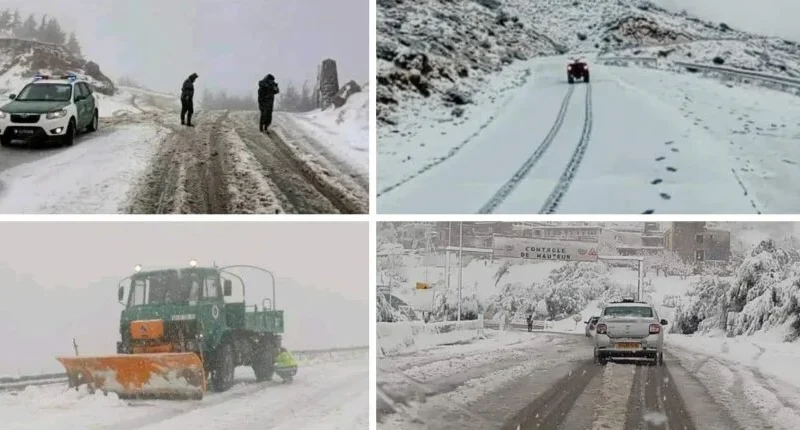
column 447, row 261
column 460, row 265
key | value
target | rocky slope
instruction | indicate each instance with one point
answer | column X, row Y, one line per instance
column 21, row 59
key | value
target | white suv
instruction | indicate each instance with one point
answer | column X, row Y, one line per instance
column 629, row 329
column 49, row 110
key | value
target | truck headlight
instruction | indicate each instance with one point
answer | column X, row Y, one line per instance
column 56, row 115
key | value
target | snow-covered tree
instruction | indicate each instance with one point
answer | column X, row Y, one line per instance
column 73, row 45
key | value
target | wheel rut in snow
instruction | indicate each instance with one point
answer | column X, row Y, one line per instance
column 655, row 402
column 187, row 173
column 561, row 188
column 550, row 409
column 301, row 188
column 502, row 194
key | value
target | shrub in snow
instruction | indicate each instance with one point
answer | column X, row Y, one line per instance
column 704, row 307
column 765, row 294
column 718, row 61
column 563, row 293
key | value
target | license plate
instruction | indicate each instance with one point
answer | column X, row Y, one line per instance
column 628, row 346
column 24, row 132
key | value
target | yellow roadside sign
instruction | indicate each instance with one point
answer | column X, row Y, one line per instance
column 422, row 286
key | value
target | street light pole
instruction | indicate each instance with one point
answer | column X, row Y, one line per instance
column 447, row 262
column 460, row 265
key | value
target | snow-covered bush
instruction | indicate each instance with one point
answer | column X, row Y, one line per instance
column 566, row 291
column 704, row 308
column 764, row 295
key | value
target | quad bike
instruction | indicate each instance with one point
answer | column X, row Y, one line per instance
column 577, row 70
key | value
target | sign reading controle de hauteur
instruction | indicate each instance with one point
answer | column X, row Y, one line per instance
column 539, row 249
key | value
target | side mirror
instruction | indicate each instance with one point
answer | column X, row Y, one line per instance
column 120, row 293
column 663, row 322
column 227, row 288
column 13, row 96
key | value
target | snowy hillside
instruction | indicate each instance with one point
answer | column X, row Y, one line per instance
column 21, row 59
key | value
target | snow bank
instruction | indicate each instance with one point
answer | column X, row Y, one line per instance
column 344, row 130
column 306, row 358
column 394, row 337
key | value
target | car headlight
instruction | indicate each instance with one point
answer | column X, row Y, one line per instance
column 56, row 115
column 3, row 115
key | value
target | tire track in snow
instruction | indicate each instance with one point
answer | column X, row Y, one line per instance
column 551, row 408
column 561, row 188
column 509, row 187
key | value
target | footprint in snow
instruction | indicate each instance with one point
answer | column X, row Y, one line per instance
column 656, row 181
column 665, row 196
column 648, row 212
column 669, row 142
column 674, row 150
column 661, row 158
column 671, row 169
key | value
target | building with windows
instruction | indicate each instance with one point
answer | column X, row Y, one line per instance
column 695, row 242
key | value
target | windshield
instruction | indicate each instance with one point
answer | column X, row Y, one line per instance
column 172, row 287
column 45, row 92
column 628, row 311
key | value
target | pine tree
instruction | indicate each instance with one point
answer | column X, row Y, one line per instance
column 54, row 34
column 28, row 29
column 73, row 46
column 41, row 32
column 16, row 22
column 5, row 20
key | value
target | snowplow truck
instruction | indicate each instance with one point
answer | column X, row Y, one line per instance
column 181, row 331
column 577, row 69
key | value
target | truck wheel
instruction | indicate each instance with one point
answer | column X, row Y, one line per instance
column 571, row 80
column 222, row 374
column 5, row 141
column 264, row 363
column 586, row 79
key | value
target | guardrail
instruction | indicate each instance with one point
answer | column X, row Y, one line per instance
column 648, row 60
column 731, row 71
column 537, row 325
column 8, row 383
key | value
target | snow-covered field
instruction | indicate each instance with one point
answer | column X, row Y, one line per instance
column 335, row 393
column 470, row 122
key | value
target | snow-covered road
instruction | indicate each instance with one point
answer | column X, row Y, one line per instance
column 142, row 161
column 335, row 393
column 632, row 141
column 520, row 380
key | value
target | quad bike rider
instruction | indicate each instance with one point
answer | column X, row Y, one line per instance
column 577, row 69
column 285, row 366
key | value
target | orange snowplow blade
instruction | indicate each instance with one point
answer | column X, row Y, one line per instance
column 170, row 375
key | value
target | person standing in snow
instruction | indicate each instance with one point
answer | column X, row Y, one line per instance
column 187, row 100
column 267, row 90
column 530, row 322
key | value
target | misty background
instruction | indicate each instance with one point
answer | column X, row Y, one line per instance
column 231, row 44
column 60, row 280
column 776, row 18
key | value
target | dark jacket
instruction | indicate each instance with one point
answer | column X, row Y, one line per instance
column 187, row 91
column 267, row 89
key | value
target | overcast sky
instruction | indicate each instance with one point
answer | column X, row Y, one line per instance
column 60, row 280
column 230, row 43
column 768, row 17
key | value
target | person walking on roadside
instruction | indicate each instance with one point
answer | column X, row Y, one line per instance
column 187, row 100
column 530, row 322
column 267, row 90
